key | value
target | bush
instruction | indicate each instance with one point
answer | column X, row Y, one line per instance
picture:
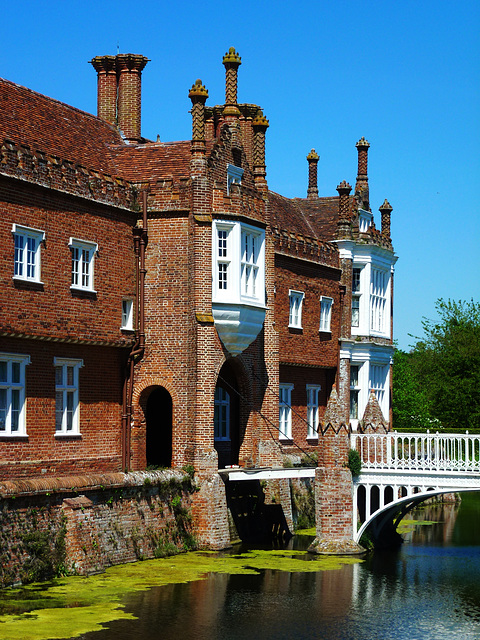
column 354, row 462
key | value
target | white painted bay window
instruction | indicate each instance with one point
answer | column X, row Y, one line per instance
column 354, row 391
column 312, row 410
column 27, row 242
column 356, row 297
column 378, row 383
column 285, row 411
column 12, row 394
column 67, row 411
column 295, row 312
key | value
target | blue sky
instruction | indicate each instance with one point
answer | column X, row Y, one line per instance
column 406, row 75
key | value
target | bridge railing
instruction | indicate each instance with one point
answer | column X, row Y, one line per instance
column 418, row 451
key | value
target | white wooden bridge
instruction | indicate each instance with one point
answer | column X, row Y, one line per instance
column 400, row 470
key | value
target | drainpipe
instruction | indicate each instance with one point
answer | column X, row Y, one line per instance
column 140, row 244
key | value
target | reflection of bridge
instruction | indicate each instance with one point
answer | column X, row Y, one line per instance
column 400, row 470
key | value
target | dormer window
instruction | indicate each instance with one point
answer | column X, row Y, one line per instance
column 234, row 176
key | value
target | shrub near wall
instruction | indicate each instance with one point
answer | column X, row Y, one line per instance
column 98, row 522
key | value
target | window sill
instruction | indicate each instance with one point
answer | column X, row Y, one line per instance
column 73, row 436
column 294, row 329
column 285, row 440
column 13, row 436
column 127, row 329
column 329, row 331
column 312, row 439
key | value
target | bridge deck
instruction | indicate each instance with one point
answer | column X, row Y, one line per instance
column 267, row 473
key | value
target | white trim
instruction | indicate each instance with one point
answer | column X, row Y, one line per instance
column 80, row 272
column 295, row 314
column 313, row 418
column 127, row 316
column 10, row 386
column 69, row 392
column 327, row 316
column 37, row 236
column 285, row 411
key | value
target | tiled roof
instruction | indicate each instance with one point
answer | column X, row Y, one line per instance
column 152, row 161
column 45, row 124
column 312, row 218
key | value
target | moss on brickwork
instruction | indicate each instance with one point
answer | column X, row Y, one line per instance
column 68, row 607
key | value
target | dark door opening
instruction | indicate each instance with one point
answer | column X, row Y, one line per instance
column 227, row 418
column 159, row 428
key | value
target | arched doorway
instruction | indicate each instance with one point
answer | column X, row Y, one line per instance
column 158, row 414
column 226, row 421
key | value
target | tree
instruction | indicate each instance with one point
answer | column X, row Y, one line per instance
column 442, row 377
column 411, row 409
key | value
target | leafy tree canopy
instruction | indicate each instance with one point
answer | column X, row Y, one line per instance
column 438, row 382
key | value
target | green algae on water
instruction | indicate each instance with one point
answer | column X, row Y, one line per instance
column 69, row 607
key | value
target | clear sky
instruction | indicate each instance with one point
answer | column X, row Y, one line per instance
column 406, row 75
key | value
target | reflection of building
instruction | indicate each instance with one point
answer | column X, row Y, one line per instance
column 171, row 334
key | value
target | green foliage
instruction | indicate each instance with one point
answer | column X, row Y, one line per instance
column 189, row 469
column 410, row 404
column 438, row 383
column 45, row 556
column 354, row 462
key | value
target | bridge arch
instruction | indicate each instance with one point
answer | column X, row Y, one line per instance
column 382, row 523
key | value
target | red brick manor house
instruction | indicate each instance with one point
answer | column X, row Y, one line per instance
column 161, row 306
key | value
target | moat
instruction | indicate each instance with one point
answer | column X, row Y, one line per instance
column 426, row 590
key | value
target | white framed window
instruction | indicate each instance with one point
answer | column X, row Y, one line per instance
column 378, row 300
column 127, row 314
column 234, row 176
column 221, row 416
column 238, row 263
column 325, row 313
column 295, row 313
column 354, row 390
column 67, row 418
column 27, row 255
column 12, row 394
column 83, row 253
column 249, row 270
column 356, row 297
column 312, row 410
column 378, row 379
column 285, row 411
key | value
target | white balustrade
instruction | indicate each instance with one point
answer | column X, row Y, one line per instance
column 418, row 451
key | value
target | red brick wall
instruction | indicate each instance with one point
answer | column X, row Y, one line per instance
column 98, row 448
column 52, row 309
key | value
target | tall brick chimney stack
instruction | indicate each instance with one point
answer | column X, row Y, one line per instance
column 260, row 125
column 198, row 95
column 386, row 210
column 231, row 62
column 361, row 186
column 119, row 91
column 312, row 191
column 343, row 224
column 129, row 68
column 106, row 68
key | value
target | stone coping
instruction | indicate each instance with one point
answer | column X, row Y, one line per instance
column 88, row 482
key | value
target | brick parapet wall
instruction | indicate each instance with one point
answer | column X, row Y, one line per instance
column 23, row 163
column 303, row 247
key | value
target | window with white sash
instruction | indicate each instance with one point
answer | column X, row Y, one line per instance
column 83, row 253
column 67, row 410
column 285, row 411
column 325, row 313
column 27, row 242
column 12, row 394
column 312, row 410
column 295, row 311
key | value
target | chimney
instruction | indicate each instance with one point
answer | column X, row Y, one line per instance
column 361, row 186
column 198, row 95
column 386, row 210
column 260, row 125
column 231, row 62
column 106, row 69
column 119, row 91
column 312, row 191
column 343, row 224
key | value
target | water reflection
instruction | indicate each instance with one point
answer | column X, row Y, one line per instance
column 427, row 590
